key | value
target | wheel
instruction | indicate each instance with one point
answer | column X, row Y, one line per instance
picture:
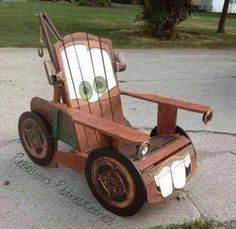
column 115, row 182
column 178, row 130
column 35, row 138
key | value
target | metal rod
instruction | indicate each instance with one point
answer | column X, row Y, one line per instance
column 91, row 58
column 104, row 68
column 52, row 27
column 81, row 73
column 46, row 38
column 70, row 73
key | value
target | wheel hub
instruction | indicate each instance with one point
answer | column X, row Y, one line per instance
column 34, row 138
column 113, row 182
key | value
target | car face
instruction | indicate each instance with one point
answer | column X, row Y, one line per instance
column 89, row 73
column 173, row 175
column 170, row 174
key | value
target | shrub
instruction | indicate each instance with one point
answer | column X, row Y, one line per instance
column 82, row 3
column 161, row 16
column 122, row 1
column 131, row 2
column 101, row 3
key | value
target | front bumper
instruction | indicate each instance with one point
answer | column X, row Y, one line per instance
column 167, row 169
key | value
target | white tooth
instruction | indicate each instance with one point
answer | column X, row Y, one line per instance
column 178, row 174
column 164, row 181
column 187, row 160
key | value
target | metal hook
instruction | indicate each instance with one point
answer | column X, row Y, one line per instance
column 40, row 50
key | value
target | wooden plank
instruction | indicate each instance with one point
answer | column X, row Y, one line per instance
column 159, row 141
column 168, row 101
column 104, row 126
column 166, row 121
column 74, row 160
column 162, row 153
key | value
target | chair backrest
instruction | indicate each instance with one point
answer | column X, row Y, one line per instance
column 89, row 69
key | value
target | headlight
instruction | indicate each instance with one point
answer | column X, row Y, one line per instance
column 144, row 149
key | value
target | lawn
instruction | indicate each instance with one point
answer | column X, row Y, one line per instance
column 19, row 26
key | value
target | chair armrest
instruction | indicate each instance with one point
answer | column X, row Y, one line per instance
column 199, row 108
column 104, row 126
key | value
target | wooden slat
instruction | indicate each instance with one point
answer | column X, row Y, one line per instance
column 162, row 153
column 159, row 141
column 73, row 160
column 168, row 101
column 104, row 126
column 166, row 121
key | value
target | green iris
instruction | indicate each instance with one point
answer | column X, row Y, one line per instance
column 99, row 84
column 85, row 90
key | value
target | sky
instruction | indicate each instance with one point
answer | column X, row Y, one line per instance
column 218, row 5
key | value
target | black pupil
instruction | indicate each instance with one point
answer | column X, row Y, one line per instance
column 86, row 90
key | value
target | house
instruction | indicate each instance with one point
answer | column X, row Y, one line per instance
column 214, row 5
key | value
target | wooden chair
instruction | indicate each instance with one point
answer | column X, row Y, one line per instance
column 124, row 167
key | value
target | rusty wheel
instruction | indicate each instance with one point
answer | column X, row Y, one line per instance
column 115, row 182
column 35, row 138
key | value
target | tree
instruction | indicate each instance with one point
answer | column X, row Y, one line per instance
column 221, row 26
column 161, row 16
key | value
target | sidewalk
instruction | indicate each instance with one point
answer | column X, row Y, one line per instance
column 38, row 199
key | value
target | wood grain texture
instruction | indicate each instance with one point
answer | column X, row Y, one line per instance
column 74, row 160
column 166, row 120
column 153, row 194
column 106, row 127
column 168, row 101
column 162, row 153
column 109, row 104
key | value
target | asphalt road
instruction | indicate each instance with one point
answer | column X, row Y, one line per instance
column 204, row 76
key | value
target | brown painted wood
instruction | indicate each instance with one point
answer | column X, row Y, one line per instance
column 166, row 121
column 42, row 107
column 153, row 195
column 168, row 101
column 81, row 38
column 106, row 127
column 101, row 124
column 148, row 175
column 74, row 160
column 108, row 106
column 163, row 153
column 157, row 142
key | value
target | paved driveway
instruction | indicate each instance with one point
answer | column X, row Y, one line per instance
column 206, row 76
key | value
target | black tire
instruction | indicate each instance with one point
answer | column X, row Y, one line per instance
column 98, row 165
column 178, row 130
column 35, row 137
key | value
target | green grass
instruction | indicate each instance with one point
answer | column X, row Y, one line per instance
column 19, row 26
column 196, row 224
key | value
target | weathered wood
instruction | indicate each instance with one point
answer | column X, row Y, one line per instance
column 162, row 153
column 104, row 126
column 153, row 194
column 95, row 128
column 74, row 160
column 166, row 120
column 168, row 101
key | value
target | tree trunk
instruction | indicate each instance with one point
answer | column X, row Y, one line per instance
column 221, row 26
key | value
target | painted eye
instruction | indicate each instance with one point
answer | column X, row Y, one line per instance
column 85, row 90
column 99, row 84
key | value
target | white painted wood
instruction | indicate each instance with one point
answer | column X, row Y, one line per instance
column 82, row 60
